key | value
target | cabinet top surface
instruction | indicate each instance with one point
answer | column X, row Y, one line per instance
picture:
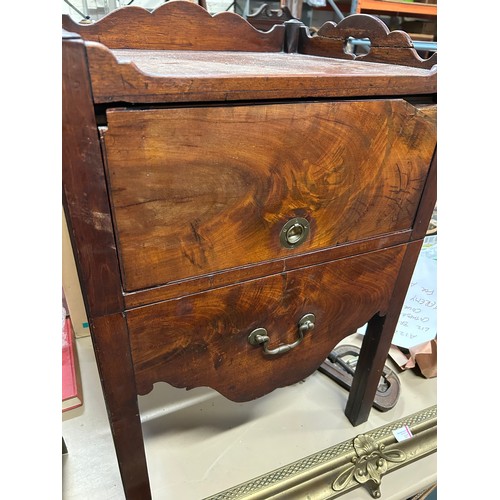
column 220, row 64
column 162, row 76
column 135, row 56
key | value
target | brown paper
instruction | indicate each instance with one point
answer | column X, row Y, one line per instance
column 424, row 356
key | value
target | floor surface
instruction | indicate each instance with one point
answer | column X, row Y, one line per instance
column 199, row 443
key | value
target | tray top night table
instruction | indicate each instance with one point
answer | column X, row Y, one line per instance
column 240, row 201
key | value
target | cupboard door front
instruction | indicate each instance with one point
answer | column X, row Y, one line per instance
column 211, row 338
column 199, row 190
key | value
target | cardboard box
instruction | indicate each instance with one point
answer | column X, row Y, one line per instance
column 71, row 286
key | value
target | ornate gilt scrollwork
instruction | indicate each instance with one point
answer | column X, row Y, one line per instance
column 369, row 465
column 312, row 476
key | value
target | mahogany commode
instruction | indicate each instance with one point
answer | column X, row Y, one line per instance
column 240, row 201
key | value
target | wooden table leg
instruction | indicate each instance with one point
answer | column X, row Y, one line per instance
column 376, row 344
column 85, row 198
column 110, row 337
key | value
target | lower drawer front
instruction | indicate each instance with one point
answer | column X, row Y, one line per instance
column 203, row 339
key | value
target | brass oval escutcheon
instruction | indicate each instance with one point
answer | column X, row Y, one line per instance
column 294, row 232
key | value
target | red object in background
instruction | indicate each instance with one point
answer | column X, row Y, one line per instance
column 71, row 387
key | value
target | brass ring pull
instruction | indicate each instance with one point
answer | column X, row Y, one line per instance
column 259, row 336
column 294, row 232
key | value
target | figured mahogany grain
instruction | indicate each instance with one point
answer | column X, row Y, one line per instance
column 198, row 190
column 201, row 340
column 219, row 279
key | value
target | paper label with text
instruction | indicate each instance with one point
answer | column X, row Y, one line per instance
column 418, row 320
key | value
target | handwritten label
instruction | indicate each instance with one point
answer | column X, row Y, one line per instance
column 417, row 322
